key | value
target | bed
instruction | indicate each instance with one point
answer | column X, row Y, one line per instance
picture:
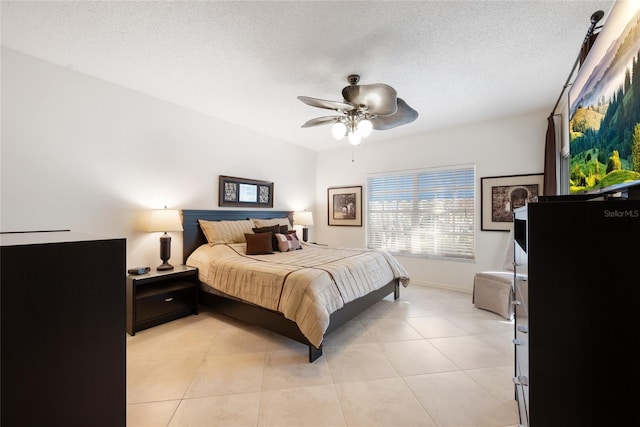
column 300, row 294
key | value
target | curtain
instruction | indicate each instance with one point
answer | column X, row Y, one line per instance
column 550, row 184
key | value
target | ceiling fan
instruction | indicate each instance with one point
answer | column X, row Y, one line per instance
column 365, row 107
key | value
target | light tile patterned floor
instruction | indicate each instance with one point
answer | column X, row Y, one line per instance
column 428, row 359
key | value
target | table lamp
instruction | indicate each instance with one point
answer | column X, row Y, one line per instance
column 303, row 218
column 165, row 220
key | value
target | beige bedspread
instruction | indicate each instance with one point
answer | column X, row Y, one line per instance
column 306, row 286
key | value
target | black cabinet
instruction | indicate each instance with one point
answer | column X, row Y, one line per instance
column 575, row 321
column 63, row 350
column 160, row 296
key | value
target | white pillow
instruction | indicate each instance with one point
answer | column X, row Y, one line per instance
column 226, row 231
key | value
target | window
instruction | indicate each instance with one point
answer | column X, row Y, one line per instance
column 428, row 213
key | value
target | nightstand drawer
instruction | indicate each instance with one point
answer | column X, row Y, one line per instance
column 159, row 302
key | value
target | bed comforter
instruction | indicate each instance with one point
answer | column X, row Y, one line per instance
column 306, row 285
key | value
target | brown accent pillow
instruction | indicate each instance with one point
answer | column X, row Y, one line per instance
column 259, row 243
column 273, row 229
column 269, row 222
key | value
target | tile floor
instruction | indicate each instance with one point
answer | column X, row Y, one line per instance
column 428, row 359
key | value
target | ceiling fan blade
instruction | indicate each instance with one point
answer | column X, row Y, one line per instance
column 321, row 121
column 380, row 99
column 323, row 103
column 404, row 115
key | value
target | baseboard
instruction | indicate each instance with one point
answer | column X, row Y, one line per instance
column 445, row 286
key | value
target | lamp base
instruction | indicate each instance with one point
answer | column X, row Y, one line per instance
column 165, row 253
column 305, row 234
column 164, row 266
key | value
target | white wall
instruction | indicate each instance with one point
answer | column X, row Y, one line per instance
column 511, row 146
column 83, row 154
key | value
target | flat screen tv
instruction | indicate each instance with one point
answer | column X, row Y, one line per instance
column 604, row 104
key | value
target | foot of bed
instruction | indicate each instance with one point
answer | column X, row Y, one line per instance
column 396, row 290
column 314, row 353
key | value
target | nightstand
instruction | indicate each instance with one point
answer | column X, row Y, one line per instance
column 161, row 296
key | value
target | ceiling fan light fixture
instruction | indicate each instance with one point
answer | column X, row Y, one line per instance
column 364, row 127
column 355, row 137
column 364, row 108
column 338, row 130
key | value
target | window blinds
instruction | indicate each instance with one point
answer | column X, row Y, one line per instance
column 428, row 212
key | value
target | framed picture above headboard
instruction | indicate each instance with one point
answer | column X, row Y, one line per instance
column 243, row 192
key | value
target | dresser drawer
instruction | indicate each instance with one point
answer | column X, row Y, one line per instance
column 181, row 295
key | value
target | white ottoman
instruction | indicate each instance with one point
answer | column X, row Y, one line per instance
column 492, row 291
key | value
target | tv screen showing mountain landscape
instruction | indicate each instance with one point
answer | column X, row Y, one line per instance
column 604, row 123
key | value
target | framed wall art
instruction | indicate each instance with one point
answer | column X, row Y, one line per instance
column 345, row 206
column 242, row 192
column 500, row 195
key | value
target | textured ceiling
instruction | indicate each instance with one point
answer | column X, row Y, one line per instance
column 245, row 62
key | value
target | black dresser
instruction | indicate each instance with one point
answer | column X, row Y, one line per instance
column 63, row 349
column 576, row 285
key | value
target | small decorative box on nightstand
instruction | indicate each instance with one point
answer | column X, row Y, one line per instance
column 161, row 296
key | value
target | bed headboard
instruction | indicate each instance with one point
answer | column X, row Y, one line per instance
column 193, row 236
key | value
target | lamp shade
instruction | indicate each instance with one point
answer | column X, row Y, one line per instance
column 338, row 130
column 165, row 220
column 364, row 127
column 302, row 218
column 355, row 137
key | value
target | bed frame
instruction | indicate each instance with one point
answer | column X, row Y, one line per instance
column 259, row 316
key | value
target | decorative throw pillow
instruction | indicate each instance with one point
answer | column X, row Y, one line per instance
column 258, row 243
column 272, row 230
column 269, row 222
column 225, row 231
column 288, row 242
